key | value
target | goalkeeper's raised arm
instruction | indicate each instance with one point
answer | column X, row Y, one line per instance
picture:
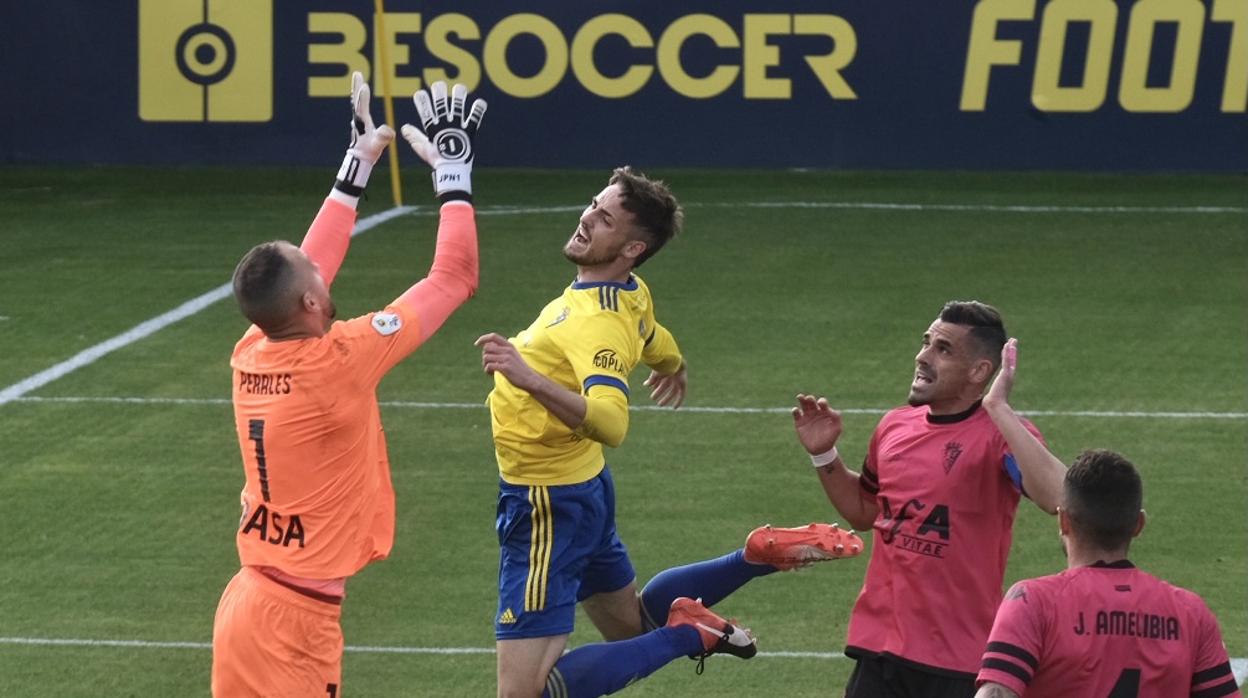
column 445, row 141
column 327, row 240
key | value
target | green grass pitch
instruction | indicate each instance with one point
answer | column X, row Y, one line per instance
column 117, row 518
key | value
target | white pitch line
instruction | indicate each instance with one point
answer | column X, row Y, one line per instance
column 80, row 642
column 996, row 208
column 358, row 649
column 108, row 346
column 505, row 209
column 149, row 327
column 409, row 404
column 510, row 210
column 1239, row 665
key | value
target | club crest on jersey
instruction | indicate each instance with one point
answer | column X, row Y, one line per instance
column 387, row 324
column 953, row 449
column 608, row 360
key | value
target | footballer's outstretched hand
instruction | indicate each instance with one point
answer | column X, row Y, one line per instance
column 445, row 138
column 818, row 425
column 368, row 142
column 669, row 389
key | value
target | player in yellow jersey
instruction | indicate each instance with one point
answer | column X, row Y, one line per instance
column 317, row 500
column 560, row 394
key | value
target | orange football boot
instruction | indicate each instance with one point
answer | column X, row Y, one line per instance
column 719, row 636
column 791, row 548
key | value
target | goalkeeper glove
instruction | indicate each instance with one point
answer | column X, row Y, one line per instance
column 367, row 142
column 445, row 138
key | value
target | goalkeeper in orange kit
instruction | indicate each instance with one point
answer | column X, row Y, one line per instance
column 317, row 500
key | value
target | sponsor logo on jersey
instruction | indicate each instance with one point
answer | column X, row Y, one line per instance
column 608, row 360
column 507, row 618
column 387, row 324
column 930, row 538
column 274, row 528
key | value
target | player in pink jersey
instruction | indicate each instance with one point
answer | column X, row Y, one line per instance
column 1102, row 627
column 940, row 485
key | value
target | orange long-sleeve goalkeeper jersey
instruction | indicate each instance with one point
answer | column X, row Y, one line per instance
column 317, row 500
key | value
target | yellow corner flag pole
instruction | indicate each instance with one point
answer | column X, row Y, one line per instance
column 384, row 56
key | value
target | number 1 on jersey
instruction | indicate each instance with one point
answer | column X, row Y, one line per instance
column 256, row 433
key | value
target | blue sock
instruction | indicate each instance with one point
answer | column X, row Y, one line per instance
column 710, row 580
column 606, row 667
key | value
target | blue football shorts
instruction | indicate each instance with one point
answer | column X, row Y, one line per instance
column 557, row 546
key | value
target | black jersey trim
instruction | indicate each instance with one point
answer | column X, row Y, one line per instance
column 952, row 418
column 1210, row 674
column 1222, row 689
column 1010, row 668
column 861, row 653
column 1016, row 652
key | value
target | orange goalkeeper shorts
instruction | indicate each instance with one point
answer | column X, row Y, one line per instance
column 270, row 641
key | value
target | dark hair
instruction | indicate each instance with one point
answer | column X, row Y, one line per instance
column 264, row 285
column 1102, row 495
column 987, row 328
column 658, row 214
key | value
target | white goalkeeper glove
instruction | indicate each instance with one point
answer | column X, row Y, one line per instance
column 445, row 139
column 367, row 142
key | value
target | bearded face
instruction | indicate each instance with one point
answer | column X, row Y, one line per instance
column 604, row 231
column 942, row 368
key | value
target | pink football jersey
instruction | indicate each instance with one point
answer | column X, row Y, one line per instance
column 947, row 489
column 1106, row 630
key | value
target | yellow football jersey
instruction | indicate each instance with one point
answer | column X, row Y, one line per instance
column 589, row 338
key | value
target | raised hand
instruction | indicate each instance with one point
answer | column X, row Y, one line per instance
column 368, row 142
column 999, row 393
column 446, row 137
column 818, row 425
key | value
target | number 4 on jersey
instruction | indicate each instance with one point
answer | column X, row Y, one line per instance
column 1128, row 685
